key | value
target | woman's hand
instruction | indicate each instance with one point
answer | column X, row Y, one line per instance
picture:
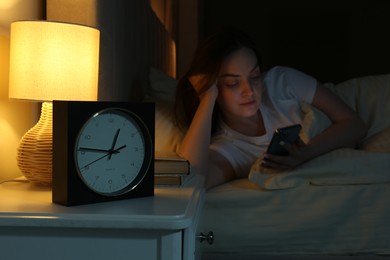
column 299, row 153
column 200, row 83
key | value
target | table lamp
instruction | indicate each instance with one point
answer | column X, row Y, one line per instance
column 50, row 61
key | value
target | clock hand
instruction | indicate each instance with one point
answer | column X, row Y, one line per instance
column 98, row 159
column 93, row 150
column 117, row 150
column 109, row 152
column 113, row 143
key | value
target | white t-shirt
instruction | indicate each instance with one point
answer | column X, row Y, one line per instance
column 285, row 89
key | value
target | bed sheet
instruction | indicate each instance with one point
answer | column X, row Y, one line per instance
column 306, row 220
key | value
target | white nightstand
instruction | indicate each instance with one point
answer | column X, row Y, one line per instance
column 158, row 227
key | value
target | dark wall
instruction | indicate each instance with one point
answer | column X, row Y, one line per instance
column 332, row 41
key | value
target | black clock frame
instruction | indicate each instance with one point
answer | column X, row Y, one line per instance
column 69, row 118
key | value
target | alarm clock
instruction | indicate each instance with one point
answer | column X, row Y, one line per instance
column 102, row 151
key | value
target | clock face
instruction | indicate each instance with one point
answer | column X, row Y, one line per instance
column 111, row 152
column 102, row 151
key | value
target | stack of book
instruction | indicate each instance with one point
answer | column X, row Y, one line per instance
column 170, row 169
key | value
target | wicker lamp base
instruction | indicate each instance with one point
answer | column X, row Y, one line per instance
column 35, row 150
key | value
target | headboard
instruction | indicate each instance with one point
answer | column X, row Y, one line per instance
column 132, row 41
column 331, row 40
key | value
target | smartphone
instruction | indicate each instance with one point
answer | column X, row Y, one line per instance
column 289, row 134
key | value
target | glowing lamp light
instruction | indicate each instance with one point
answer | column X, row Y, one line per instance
column 50, row 61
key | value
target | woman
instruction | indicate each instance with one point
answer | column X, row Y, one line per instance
column 231, row 109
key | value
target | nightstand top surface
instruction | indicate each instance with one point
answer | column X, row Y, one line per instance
column 22, row 204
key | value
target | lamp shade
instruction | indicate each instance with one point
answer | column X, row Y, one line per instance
column 53, row 61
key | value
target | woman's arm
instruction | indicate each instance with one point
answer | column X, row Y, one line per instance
column 346, row 130
column 347, row 127
column 195, row 144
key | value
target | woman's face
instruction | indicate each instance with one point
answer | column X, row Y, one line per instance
column 240, row 85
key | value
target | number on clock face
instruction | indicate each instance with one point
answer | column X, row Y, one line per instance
column 110, row 152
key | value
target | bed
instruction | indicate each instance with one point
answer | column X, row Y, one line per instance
column 335, row 206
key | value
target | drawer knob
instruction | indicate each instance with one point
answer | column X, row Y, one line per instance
column 209, row 237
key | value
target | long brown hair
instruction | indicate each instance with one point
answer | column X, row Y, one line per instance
column 207, row 60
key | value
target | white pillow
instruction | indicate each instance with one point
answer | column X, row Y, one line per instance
column 161, row 86
column 369, row 96
column 379, row 142
column 168, row 136
column 162, row 91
